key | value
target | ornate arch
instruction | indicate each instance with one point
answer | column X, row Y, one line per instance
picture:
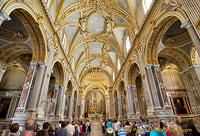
column 69, row 88
column 9, row 51
column 133, row 72
column 29, row 18
column 59, row 73
column 159, row 26
column 179, row 57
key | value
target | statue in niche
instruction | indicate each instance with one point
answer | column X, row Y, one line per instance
column 180, row 106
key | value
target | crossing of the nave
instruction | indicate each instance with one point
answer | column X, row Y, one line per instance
column 64, row 60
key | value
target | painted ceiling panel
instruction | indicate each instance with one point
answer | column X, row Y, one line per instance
column 96, row 48
column 74, row 18
column 71, row 30
column 69, row 2
column 124, row 5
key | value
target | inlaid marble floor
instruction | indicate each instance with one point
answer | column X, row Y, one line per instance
column 96, row 129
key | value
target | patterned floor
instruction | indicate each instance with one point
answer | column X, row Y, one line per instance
column 96, row 129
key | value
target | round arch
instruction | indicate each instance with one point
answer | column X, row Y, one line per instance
column 29, row 18
column 122, row 87
column 133, row 73
column 160, row 26
column 69, row 88
column 58, row 72
column 179, row 57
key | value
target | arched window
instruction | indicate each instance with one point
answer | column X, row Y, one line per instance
column 146, row 5
column 128, row 44
column 118, row 64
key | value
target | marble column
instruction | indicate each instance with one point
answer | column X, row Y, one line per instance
column 20, row 115
column 60, row 102
column 131, row 105
column 82, row 107
column 35, row 93
column 158, row 92
column 45, row 87
column 70, row 110
column 116, row 111
column 136, row 101
column 111, row 106
column 3, row 16
column 193, row 35
column 145, row 83
column 120, row 107
column 66, row 106
column 54, row 101
column 107, row 106
column 1, row 74
column 191, row 79
column 79, row 103
column 124, row 106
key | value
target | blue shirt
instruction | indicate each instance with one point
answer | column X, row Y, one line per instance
column 61, row 132
column 157, row 133
column 109, row 124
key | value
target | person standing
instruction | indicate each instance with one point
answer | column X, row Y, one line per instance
column 44, row 131
column 109, row 124
column 14, row 130
column 70, row 128
column 143, row 128
column 157, row 131
column 62, row 131
column 29, row 128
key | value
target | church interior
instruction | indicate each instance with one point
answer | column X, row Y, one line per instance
column 105, row 59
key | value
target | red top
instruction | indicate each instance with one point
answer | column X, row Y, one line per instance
column 80, row 128
column 169, row 133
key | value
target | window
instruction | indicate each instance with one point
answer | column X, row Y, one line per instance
column 128, row 44
column 146, row 5
column 119, row 65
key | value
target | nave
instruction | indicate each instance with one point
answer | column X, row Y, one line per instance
column 99, row 59
column 96, row 129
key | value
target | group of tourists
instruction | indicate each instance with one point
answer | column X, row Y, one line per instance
column 64, row 128
column 155, row 128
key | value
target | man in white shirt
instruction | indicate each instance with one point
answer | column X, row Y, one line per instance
column 70, row 128
column 117, row 127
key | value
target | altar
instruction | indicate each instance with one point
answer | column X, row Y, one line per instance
column 95, row 116
column 95, row 105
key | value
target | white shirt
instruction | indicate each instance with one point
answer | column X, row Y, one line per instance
column 70, row 129
column 117, row 126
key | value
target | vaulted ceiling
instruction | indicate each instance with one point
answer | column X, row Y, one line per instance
column 94, row 35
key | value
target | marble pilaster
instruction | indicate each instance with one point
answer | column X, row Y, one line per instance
column 145, row 83
column 111, row 105
column 3, row 16
column 107, row 106
column 162, row 109
column 193, row 35
column 60, row 102
column 79, row 104
column 120, row 107
column 44, row 90
column 1, row 73
column 35, row 93
column 191, row 79
column 20, row 115
column 70, row 110
column 131, row 104
column 54, row 101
